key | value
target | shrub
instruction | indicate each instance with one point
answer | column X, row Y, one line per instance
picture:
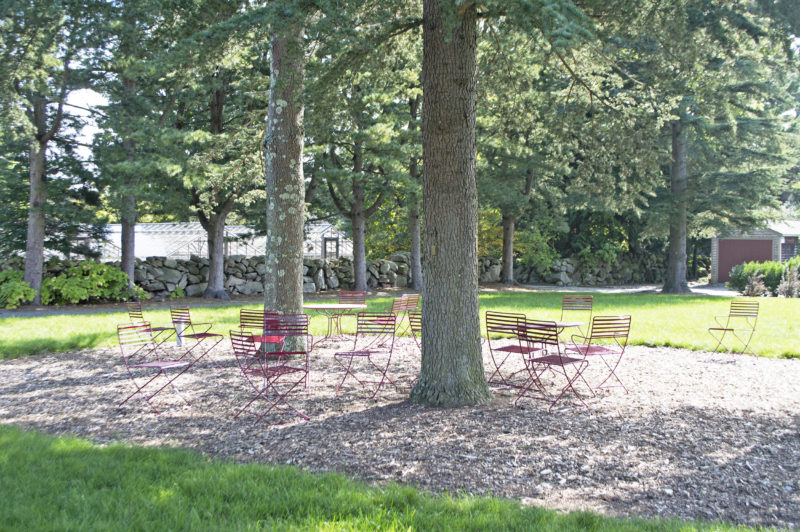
column 88, row 281
column 772, row 273
column 13, row 290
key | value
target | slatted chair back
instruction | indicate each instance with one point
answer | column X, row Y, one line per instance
column 542, row 334
column 180, row 314
column 616, row 327
column 352, row 297
column 255, row 319
column 415, row 324
column 243, row 344
column 375, row 329
column 399, row 305
column 135, row 341
column 578, row 307
column 743, row 309
column 135, row 311
column 503, row 323
column 412, row 301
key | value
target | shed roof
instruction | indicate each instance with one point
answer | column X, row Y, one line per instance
column 786, row 227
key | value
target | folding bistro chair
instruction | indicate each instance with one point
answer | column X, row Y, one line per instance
column 738, row 326
column 275, row 375
column 355, row 297
column 194, row 336
column 415, row 324
column 374, row 341
column 399, row 308
column 577, row 308
column 504, row 349
column 141, row 356
column 607, row 339
column 160, row 334
column 256, row 323
column 541, row 339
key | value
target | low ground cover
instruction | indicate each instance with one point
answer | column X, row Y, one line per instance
column 70, row 484
column 657, row 320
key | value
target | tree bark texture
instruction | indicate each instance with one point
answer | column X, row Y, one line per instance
column 283, row 157
column 416, row 249
column 34, row 247
column 675, row 282
column 414, row 227
column 359, row 223
column 452, row 366
column 128, row 214
column 215, row 229
column 128, row 236
column 507, row 274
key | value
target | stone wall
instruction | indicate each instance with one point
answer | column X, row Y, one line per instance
column 161, row 276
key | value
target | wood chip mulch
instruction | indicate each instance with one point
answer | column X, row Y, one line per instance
column 706, row 436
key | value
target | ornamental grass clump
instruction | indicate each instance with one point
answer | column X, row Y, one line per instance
column 790, row 283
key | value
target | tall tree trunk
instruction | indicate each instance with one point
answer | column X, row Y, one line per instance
column 359, row 224
column 416, row 251
column 413, row 207
column 452, row 365
column 128, row 236
column 283, row 155
column 675, row 282
column 215, row 229
column 128, row 214
column 34, row 248
column 507, row 275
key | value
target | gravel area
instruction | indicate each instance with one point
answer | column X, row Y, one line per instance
column 700, row 435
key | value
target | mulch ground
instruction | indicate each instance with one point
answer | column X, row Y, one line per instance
column 699, row 436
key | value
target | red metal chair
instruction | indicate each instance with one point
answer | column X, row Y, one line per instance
column 577, row 308
column 541, row 339
column 256, row 322
column 505, row 346
column 607, row 340
column 739, row 325
column 275, row 375
column 415, row 324
column 346, row 297
column 194, row 336
column 142, row 356
column 373, row 344
column 160, row 334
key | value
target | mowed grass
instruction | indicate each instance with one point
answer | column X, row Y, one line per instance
column 53, row 483
column 657, row 320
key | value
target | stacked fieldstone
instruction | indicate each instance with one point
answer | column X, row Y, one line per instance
column 245, row 275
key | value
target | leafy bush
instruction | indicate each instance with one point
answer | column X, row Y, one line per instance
column 13, row 290
column 178, row 292
column 88, row 281
column 771, row 270
column 534, row 249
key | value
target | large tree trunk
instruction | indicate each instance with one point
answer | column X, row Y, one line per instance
column 507, row 275
column 359, row 224
column 34, row 248
column 675, row 282
column 215, row 228
column 283, row 154
column 413, row 207
column 452, row 366
column 416, row 251
column 128, row 214
column 128, row 236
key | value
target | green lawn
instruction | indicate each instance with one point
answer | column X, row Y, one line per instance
column 69, row 484
column 658, row 320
